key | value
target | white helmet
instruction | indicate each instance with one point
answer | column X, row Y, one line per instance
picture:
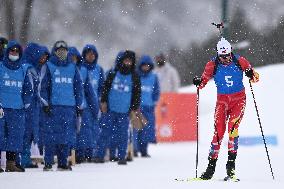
column 223, row 47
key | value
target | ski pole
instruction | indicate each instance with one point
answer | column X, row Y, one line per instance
column 197, row 131
column 263, row 138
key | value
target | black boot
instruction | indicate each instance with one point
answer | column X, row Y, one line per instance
column 230, row 166
column 47, row 167
column 122, row 162
column 210, row 170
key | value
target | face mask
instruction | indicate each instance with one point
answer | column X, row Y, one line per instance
column 61, row 54
column 125, row 69
column 13, row 58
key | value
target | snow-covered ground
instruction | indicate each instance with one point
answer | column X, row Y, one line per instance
column 177, row 160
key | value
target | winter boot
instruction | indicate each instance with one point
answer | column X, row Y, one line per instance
column 210, row 170
column 11, row 167
column 20, row 167
column 64, row 168
column 113, row 159
column 32, row 166
column 47, row 167
column 1, row 170
column 122, row 162
column 230, row 166
column 98, row 160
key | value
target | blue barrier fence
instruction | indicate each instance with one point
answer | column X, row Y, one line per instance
column 257, row 140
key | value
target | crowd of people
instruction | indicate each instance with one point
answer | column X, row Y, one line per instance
column 63, row 101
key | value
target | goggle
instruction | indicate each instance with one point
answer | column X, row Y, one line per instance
column 60, row 44
column 224, row 56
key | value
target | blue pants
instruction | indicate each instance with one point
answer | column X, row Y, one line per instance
column 141, row 138
column 2, row 122
column 42, row 123
column 114, row 128
column 61, row 150
column 31, row 133
column 13, row 124
column 87, row 137
column 60, row 127
column 59, row 132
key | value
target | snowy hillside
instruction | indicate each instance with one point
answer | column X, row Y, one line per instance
column 170, row 161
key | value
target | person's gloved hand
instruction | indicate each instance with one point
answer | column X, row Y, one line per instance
column 47, row 110
column 197, row 81
column 103, row 107
column 249, row 73
column 252, row 75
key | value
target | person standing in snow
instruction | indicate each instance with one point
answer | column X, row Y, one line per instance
column 227, row 70
column 3, row 44
column 92, row 77
column 121, row 94
column 168, row 76
column 16, row 92
column 150, row 93
column 63, row 93
column 34, row 57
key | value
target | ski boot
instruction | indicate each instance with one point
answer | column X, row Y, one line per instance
column 230, row 167
column 210, row 170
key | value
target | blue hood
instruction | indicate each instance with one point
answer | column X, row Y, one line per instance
column 7, row 62
column 145, row 60
column 55, row 60
column 33, row 53
column 94, row 49
column 74, row 51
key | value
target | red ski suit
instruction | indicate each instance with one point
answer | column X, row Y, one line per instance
column 231, row 101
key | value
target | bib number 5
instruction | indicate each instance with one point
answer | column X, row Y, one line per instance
column 228, row 80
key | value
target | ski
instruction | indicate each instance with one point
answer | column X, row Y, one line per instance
column 190, row 179
column 232, row 179
column 226, row 179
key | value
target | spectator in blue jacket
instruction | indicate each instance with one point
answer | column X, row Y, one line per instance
column 16, row 91
column 3, row 44
column 63, row 93
column 150, row 93
column 33, row 53
column 42, row 85
column 121, row 94
column 86, row 127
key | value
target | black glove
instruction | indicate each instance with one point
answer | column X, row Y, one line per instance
column 249, row 73
column 79, row 111
column 197, row 81
column 46, row 109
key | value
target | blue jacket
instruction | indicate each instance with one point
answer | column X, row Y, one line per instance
column 16, row 85
column 122, row 92
column 150, row 88
column 95, row 71
column 62, row 83
column 90, row 98
column 74, row 51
